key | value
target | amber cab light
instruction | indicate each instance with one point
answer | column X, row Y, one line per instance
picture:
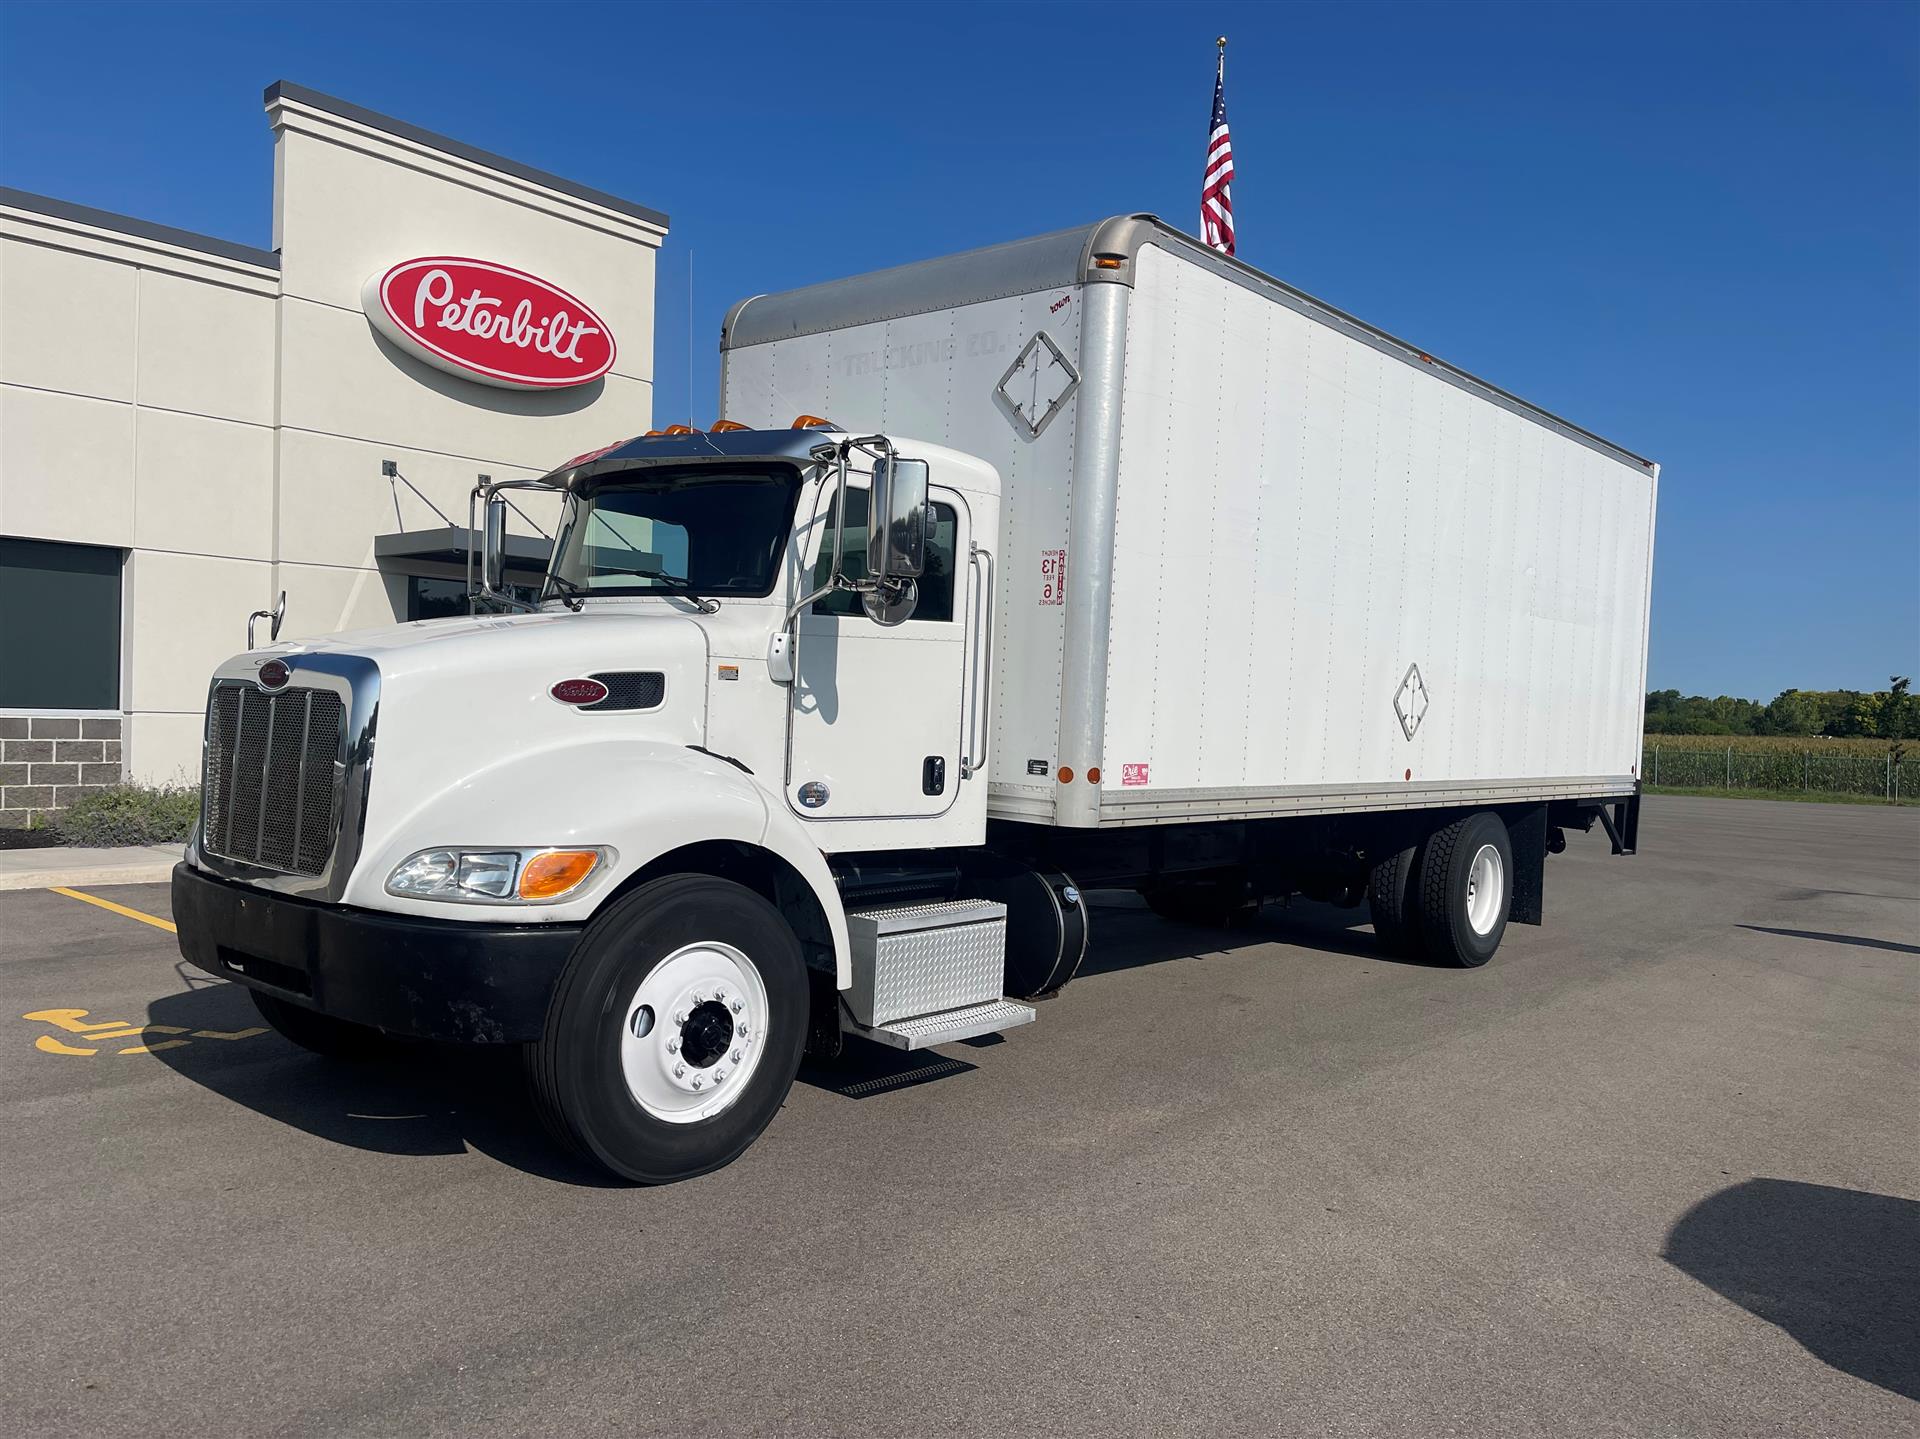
column 579, row 692
column 811, row 422
column 549, row 875
column 721, row 427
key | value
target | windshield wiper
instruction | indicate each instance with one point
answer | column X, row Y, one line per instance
column 681, row 584
column 575, row 595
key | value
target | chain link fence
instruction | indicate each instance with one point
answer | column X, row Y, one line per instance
column 1867, row 776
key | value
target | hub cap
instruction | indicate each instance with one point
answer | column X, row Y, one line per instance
column 1486, row 889
column 692, row 1034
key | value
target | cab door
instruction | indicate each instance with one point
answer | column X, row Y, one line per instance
column 876, row 713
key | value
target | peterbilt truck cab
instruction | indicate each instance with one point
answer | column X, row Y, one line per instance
column 648, row 827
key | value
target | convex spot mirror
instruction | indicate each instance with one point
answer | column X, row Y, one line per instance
column 493, row 545
column 897, row 519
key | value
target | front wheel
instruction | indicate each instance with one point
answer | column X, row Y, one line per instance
column 675, row 1031
column 1466, row 890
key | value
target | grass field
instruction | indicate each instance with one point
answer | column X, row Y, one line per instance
column 1794, row 744
column 1794, row 796
column 1855, row 771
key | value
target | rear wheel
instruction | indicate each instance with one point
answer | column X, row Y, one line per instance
column 317, row 1032
column 1393, row 896
column 676, row 1030
column 1466, row 890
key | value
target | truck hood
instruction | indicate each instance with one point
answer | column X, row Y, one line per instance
column 555, row 645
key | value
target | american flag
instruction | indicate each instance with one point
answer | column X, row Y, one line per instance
column 1216, row 189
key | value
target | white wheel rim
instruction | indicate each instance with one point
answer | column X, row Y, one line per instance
column 1486, row 889
column 668, row 1030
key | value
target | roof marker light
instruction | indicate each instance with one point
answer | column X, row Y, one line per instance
column 721, row 427
column 680, row 430
column 812, row 422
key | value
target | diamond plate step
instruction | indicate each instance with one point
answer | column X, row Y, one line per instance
column 949, row 1025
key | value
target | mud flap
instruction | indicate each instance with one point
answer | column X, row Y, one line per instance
column 1527, row 833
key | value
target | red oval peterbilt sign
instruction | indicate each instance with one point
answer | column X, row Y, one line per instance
column 489, row 322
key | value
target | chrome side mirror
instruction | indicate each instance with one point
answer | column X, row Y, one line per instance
column 493, row 545
column 274, row 617
column 897, row 519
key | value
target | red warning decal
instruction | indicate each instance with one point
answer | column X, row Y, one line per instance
column 1133, row 774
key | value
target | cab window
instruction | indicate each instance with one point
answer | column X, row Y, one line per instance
column 936, row 579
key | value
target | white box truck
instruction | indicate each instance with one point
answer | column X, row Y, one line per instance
column 1096, row 559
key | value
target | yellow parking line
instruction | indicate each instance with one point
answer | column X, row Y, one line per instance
column 152, row 919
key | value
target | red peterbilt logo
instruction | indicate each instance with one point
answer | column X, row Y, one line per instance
column 489, row 322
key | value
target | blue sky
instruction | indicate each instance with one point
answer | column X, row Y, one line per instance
column 1695, row 230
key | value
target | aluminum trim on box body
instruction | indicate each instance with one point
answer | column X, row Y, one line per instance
column 1092, row 500
column 1162, row 806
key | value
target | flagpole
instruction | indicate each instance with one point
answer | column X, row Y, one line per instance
column 1220, row 74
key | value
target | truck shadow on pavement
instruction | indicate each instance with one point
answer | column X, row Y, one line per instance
column 1837, row 1269
column 421, row 1100
column 431, row 1099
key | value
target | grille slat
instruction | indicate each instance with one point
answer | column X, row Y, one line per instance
column 271, row 792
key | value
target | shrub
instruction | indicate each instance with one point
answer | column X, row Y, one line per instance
column 130, row 814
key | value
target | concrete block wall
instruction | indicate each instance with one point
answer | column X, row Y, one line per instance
column 49, row 761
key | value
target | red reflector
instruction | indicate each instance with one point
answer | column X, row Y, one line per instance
column 274, row 673
column 579, row 692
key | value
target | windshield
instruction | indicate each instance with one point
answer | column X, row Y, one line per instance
column 705, row 531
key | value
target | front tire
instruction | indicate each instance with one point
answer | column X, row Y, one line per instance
column 1466, row 890
column 675, row 1031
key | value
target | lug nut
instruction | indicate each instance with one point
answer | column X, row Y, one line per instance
column 718, row 1075
column 738, row 1006
column 696, row 1081
column 736, row 1056
column 678, row 1070
column 673, row 1046
column 679, row 1016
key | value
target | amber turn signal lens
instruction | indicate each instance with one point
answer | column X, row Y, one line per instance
column 1066, row 774
column 1093, row 775
column 721, row 427
column 547, row 876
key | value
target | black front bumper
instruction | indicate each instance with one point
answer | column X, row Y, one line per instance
column 428, row 978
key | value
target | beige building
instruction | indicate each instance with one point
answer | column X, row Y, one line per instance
column 189, row 427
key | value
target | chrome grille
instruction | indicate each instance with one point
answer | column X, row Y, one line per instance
column 270, row 793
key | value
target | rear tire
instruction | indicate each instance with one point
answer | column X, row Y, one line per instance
column 1394, row 899
column 319, row 1033
column 685, row 986
column 1466, row 890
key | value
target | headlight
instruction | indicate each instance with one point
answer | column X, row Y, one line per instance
column 494, row 876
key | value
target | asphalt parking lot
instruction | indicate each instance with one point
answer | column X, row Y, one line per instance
column 1653, row 1171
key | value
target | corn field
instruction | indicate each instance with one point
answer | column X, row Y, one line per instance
column 1809, row 771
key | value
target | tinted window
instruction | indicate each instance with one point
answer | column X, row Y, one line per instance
column 59, row 626
column 721, row 532
column 936, row 580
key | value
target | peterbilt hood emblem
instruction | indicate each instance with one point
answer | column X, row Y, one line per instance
column 274, row 675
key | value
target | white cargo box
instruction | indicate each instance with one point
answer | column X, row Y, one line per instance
column 1257, row 558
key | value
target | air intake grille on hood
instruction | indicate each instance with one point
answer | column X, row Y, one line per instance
column 630, row 690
